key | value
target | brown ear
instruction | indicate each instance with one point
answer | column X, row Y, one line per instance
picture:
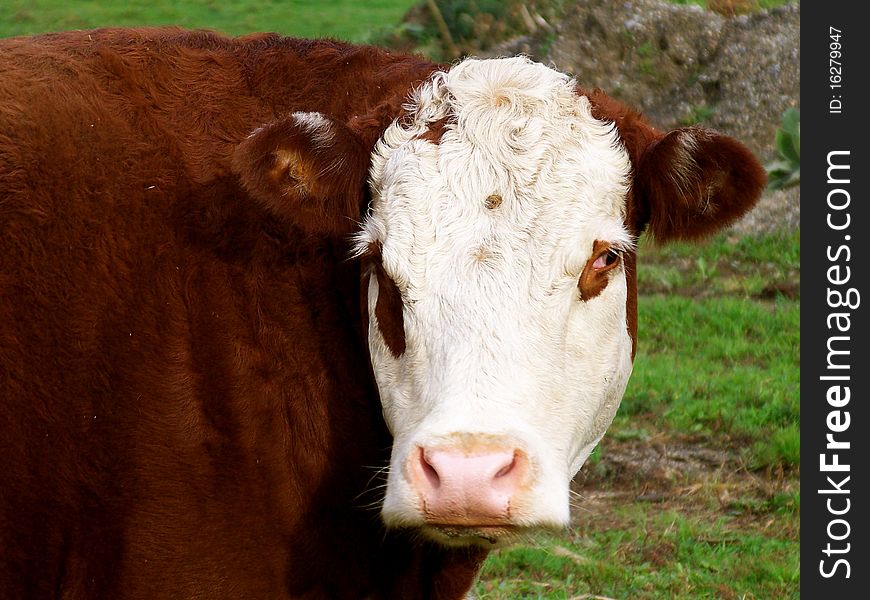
column 693, row 182
column 306, row 169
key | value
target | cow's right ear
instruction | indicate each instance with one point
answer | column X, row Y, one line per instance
column 306, row 169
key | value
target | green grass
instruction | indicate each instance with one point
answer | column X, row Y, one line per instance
column 344, row 19
column 721, row 366
column 758, row 266
column 649, row 556
column 698, row 114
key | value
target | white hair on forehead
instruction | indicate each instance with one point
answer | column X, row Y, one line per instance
column 505, row 88
column 513, row 127
column 517, row 86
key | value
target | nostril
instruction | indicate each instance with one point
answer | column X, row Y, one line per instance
column 506, row 470
column 428, row 470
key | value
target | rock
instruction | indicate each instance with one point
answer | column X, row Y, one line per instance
column 778, row 210
column 755, row 76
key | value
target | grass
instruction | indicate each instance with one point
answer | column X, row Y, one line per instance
column 717, row 367
column 720, row 366
column 698, row 114
column 344, row 19
column 644, row 555
column 751, row 267
column 719, row 338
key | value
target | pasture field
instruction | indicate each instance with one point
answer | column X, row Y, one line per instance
column 694, row 492
column 344, row 19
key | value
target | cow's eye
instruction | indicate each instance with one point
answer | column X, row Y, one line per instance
column 606, row 260
column 594, row 278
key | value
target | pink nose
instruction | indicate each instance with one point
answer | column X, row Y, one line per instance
column 468, row 487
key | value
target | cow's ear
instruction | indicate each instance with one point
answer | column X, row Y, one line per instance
column 306, row 169
column 693, row 182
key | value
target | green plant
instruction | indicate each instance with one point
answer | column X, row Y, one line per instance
column 785, row 171
column 646, row 54
column 704, row 269
column 697, row 114
column 546, row 44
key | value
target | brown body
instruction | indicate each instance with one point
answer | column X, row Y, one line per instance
column 186, row 404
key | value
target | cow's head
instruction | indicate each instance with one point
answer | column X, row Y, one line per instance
column 498, row 254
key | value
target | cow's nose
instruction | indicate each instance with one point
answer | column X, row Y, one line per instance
column 468, row 487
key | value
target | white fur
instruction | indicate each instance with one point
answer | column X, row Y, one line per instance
column 318, row 126
column 498, row 341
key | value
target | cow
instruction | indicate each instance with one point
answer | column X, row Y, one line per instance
column 290, row 318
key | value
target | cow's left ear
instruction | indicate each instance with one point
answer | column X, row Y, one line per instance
column 307, row 169
column 693, row 182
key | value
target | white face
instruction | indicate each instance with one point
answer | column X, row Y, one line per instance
column 508, row 377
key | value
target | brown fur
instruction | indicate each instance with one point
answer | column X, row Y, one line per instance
column 388, row 307
column 724, row 182
column 435, row 131
column 319, row 186
column 629, row 261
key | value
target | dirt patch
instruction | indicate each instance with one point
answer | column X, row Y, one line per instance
column 659, row 463
column 686, row 476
